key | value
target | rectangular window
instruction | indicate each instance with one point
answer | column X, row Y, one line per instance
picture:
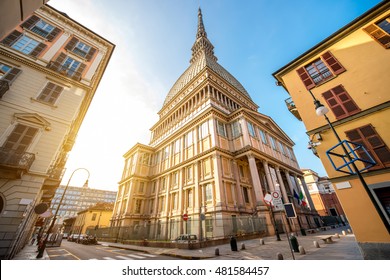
column 236, row 129
column 320, row 70
column 188, row 141
column 189, row 198
column 25, row 44
column 68, row 66
column 175, row 178
column 263, row 136
column 380, row 32
column 251, row 129
column 41, row 28
column 20, row 138
column 273, row 143
column 50, row 93
column 81, row 49
column 221, row 128
column 373, row 143
column 166, row 153
column 94, row 217
column 246, row 194
column 174, row 201
column 7, row 76
column 203, row 130
column 189, row 173
column 177, row 146
column 209, row 192
column 340, row 102
column 281, row 148
column 138, row 204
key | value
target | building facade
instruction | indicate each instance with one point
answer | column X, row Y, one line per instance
column 348, row 73
column 211, row 160
column 94, row 217
column 50, row 67
column 323, row 195
column 77, row 199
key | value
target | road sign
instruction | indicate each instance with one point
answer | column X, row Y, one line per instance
column 290, row 211
column 275, row 195
column 185, row 217
column 268, row 199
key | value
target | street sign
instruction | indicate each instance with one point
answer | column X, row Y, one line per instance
column 268, row 199
column 202, row 217
column 277, row 202
column 185, row 217
column 290, row 211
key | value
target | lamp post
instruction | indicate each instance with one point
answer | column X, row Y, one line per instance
column 43, row 246
column 321, row 110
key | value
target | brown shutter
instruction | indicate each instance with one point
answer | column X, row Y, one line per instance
column 332, row 62
column 50, row 93
column 38, row 49
column 11, row 75
column 306, row 79
column 367, row 136
column 79, row 72
column 30, row 22
column 7, row 79
column 90, row 54
column 11, row 38
column 72, row 43
column 381, row 37
column 56, row 65
column 53, row 34
column 340, row 102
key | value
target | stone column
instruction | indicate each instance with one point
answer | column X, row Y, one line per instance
column 282, row 186
column 268, row 176
column 238, row 194
column 255, row 180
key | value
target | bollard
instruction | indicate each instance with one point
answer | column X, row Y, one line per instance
column 344, row 233
column 279, row 256
column 243, row 246
column 316, row 244
column 349, row 230
column 216, row 251
column 294, row 243
column 302, row 250
column 337, row 235
column 233, row 243
column 262, row 242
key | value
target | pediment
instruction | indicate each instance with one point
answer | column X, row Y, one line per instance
column 33, row 118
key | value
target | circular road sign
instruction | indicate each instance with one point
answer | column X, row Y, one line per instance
column 185, row 217
column 275, row 195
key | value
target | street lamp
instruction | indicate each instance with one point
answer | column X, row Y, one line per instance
column 321, row 110
column 43, row 246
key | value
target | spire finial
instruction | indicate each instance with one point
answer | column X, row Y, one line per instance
column 201, row 31
column 202, row 45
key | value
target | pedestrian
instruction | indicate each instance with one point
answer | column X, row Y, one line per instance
column 33, row 238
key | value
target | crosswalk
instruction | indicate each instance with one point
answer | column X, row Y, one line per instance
column 135, row 256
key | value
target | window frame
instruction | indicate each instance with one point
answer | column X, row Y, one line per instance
column 340, row 102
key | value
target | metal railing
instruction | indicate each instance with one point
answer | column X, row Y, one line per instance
column 15, row 159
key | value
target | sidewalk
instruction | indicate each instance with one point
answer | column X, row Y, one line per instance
column 343, row 248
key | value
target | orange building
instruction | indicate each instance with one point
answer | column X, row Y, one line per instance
column 349, row 73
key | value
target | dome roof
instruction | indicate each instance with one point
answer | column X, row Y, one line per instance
column 202, row 57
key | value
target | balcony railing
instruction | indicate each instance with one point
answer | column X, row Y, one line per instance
column 292, row 108
column 56, row 173
column 16, row 160
column 4, row 87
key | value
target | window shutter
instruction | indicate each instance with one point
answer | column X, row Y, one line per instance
column 381, row 37
column 332, row 62
column 50, row 93
column 90, row 54
column 72, row 43
column 38, row 49
column 340, row 102
column 53, row 34
column 11, row 38
column 306, row 79
column 369, row 138
column 11, row 75
column 30, row 22
column 79, row 72
column 20, row 138
column 56, row 65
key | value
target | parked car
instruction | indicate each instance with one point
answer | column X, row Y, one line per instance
column 75, row 237
column 80, row 238
column 186, row 238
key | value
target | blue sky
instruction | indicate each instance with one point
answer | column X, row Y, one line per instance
column 153, row 38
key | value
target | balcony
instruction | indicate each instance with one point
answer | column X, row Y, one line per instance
column 4, row 87
column 292, row 108
column 13, row 163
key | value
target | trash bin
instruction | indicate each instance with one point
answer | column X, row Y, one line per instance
column 233, row 243
column 294, row 243
column 303, row 232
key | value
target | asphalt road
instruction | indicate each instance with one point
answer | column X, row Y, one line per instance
column 74, row 251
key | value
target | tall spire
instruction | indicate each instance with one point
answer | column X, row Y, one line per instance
column 202, row 45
